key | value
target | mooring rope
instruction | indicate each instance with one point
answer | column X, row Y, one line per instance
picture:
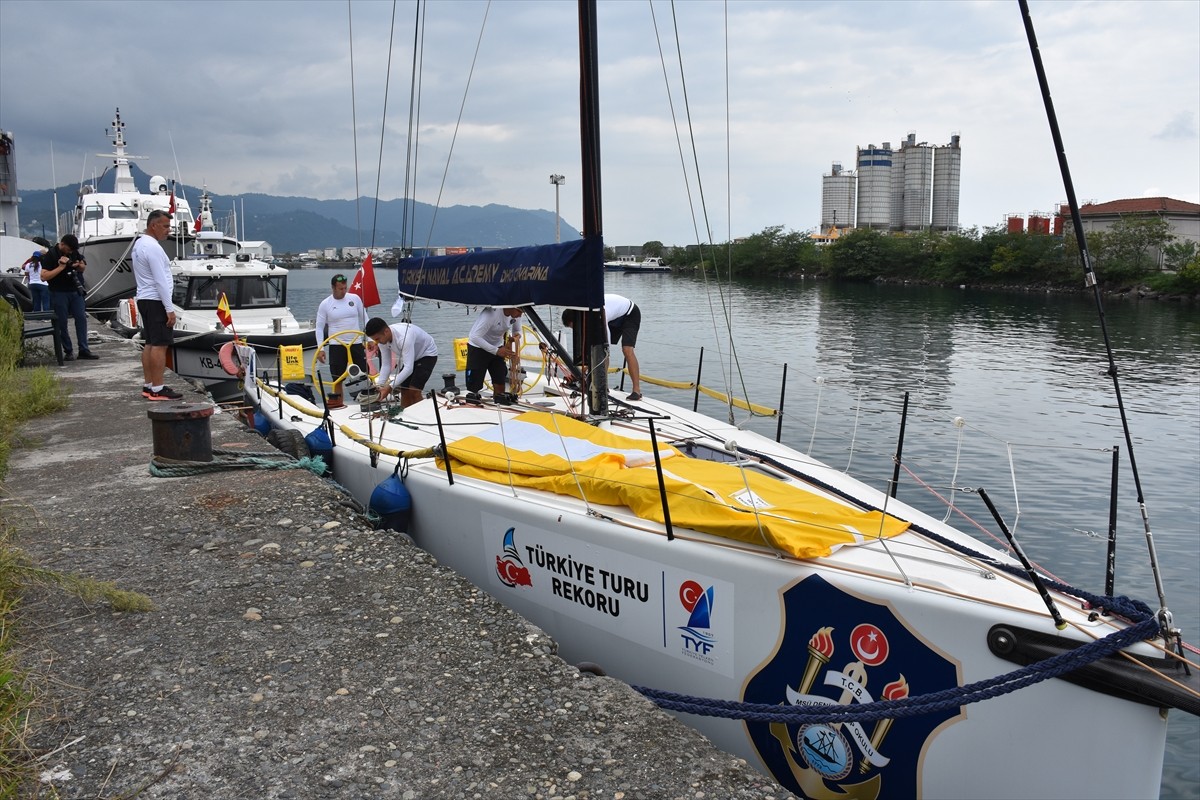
column 947, row 699
column 225, row 459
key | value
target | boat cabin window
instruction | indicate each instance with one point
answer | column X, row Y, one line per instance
column 93, row 212
column 264, row 291
column 122, row 212
column 250, row 291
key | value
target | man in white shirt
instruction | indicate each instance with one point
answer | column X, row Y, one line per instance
column 341, row 311
column 494, row 339
column 414, row 352
column 152, row 271
column 624, row 320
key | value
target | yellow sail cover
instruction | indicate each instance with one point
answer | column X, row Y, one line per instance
column 562, row 455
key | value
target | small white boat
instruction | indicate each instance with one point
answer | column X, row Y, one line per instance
column 205, row 349
column 108, row 223
column 634, row 264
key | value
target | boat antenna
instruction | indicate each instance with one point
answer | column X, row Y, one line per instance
column 1165, row 621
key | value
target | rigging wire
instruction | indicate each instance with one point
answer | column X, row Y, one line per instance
column 409, row 214
column 387, row 84
column 1164, row 614
column 732, row 365
column 354, row 125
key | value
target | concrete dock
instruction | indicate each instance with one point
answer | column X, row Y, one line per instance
column 293, row 652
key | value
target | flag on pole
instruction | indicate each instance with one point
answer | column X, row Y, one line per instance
column 223, row 312
column 363, row 284
column 171, row 209
column 199, row 223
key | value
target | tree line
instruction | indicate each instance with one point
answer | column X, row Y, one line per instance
column 1124, row 256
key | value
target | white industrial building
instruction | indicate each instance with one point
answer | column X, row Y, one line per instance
column 839, row 191
column 911, row 188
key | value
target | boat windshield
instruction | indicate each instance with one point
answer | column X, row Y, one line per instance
column 248, row 291
column 122, row 212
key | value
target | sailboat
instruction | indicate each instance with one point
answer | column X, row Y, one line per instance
column 844, row 642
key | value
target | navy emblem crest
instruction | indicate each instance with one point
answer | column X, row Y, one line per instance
column 852, row 651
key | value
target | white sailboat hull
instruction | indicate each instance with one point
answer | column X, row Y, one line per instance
column 614, row 591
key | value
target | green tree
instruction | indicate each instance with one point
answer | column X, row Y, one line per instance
column 860, row 255
column 1178, row 253
column 1125, row 252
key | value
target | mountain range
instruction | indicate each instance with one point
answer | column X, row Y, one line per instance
column 297, row 224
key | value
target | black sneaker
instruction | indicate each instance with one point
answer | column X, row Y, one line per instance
column 89, row 355
column 165, row 393
column 634, row 397
column 502, row 399
column 68, row 356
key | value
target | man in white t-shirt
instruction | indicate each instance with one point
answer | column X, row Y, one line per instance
column 152, row 271
column 414, row 352
column 341, row 311
column 494, row 340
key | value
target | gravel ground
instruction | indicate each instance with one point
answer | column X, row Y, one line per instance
column 293, row 652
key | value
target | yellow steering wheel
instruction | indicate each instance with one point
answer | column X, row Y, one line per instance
column 531, row 357
column 321, row 348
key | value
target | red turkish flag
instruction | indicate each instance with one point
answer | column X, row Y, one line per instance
column 363, row 284
column 171, row 209
column 199, row 224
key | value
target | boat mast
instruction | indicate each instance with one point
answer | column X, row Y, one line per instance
column 595, row 336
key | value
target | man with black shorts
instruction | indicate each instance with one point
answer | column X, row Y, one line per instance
column 342, row 311
column 414, row 352
column 152, row 271
column 494, row 340
column 624, row 320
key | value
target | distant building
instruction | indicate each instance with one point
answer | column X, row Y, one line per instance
column 912, row 188
column 839, row 192
column 261, row 250
column 874, row 186
column 1182, row 216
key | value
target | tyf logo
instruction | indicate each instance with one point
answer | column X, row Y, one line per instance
column 698, row 602
column 840, row 649
column 510, row 569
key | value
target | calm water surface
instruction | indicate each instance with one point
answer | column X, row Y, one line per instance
column 1024, row 373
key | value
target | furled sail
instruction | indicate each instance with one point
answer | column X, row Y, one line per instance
column 559, row 454
column 564, row 274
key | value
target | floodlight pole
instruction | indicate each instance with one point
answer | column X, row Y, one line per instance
column 557, row 180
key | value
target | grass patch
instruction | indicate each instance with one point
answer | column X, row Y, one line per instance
column 24, row 395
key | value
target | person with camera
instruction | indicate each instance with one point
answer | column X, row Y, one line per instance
column 62, row 269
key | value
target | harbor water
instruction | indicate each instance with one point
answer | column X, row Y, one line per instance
column 1006, row 391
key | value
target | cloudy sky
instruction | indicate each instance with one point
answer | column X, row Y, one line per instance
column 258, row 97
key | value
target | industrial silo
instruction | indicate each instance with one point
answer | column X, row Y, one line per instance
column 896, row 218
column 947, row 170
column 918, row 184
column 838, row 191
column 874, row 186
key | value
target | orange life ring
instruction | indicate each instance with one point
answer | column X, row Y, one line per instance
column 132, row 313
column 230, row 361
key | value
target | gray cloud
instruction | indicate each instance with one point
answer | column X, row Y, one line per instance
column 256, row 96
